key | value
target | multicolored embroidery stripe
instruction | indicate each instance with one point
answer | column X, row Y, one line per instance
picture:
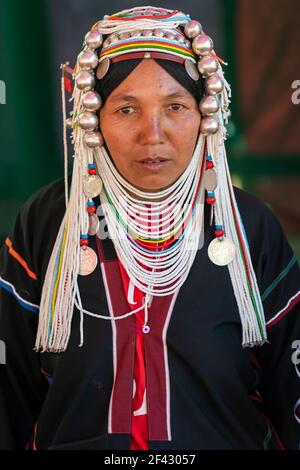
column 283, row 273
column 147, row 45
column 57, row 275
column 23, row 303
column 284, row 311
column 19, row 258
column 257, row 306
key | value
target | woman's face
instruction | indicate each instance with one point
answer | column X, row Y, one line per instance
column 150, row 124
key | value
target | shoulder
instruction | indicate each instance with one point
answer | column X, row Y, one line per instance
column 267, row 241
column 274, row 262
column 259, row 221
column 38, row 223
column 250, row 206
column 46, row 202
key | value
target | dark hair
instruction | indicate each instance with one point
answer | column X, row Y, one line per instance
column 118, row 71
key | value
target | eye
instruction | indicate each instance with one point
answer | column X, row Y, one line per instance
column 126, row 110
column 176, row 106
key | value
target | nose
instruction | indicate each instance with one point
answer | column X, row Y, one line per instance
column 151, row 130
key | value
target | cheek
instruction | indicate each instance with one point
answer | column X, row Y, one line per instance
column 116, row 134
column 186, row 141
column 189, row 131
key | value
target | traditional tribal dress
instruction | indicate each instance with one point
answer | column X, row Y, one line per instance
column 186, row 384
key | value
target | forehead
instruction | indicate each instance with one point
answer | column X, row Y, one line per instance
column 148, row 77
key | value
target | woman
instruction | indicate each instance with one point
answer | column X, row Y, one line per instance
column 161, row 302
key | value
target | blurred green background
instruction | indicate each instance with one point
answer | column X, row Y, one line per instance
column 259, row 40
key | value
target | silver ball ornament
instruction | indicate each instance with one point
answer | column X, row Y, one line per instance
column 170, row 36
column 92, row 101
column 207, row 65
column 158, row 33
column 124, row 35
column 106, row 43
column 88, row 121
column 202, row 44
column 113, row 39
column 214, row 84
column 136, row 34
column 209, row 105
column 180, row 39
column 85, row 80
column 209, row 125
column 94, row 39
column 192, row 29
column 87, row 59
column 93, row 139
column 69, row 122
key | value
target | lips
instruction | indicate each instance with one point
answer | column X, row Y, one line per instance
column 153, row 163
column 153, row 160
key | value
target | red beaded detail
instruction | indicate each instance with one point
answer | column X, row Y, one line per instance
column 219, row 233
column 91, row 209
column 209, row 165
column 210, row 200
column 84, row 242
column 92, row 171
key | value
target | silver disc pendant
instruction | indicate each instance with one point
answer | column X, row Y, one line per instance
column 191, row 69
column 210, row 180
column 93, row 224
column 103, row 68
column 88, row 261
column 92, row 186
column 221, row 251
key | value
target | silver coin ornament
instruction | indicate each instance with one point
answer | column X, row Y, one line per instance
column 103, row 68
column 210, row 180
column 88, row 261
column 221, row 251
column 92, row 186
column 191, row 69
column 93, row 224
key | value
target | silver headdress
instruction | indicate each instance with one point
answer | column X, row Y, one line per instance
column 147, row 32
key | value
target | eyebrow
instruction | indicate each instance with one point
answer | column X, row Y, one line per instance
column 124, row 97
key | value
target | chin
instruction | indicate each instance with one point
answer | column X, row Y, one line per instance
column 152, row 187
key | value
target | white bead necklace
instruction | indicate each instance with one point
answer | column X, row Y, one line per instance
column 132, row 213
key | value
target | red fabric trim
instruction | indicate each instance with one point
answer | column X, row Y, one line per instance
column 281, row 446
column 149, row 352
column 284, row 312
column 68, row 84
column 124, row 343
column 139, row 423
